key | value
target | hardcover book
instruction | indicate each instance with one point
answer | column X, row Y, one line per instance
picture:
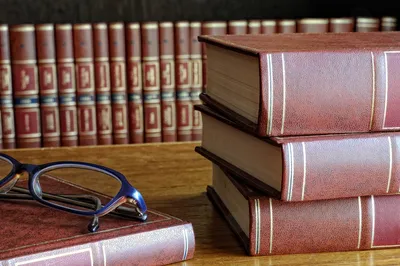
column 307, row 83
column 304, row 168
column 266, row 226
column 33, row 234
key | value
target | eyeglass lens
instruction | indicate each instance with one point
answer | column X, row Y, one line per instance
column 5, row 169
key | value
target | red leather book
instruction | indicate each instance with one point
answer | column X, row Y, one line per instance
column 66, row 84
column 266, row 226
column 210, row 28
column 151, row 81
column 313, row 25
column 303, row 168
column 85, row 89
column 102, row 84
column 167, row 70
column 37, row 235
column 268, row 26
column 48, row 90
column 6, row 90
column 237, row 27
column 341, row 24
column 367, row 24
column 25, row 86
column 184, row 107
column 388, row 23
column 134, row 72
column 254, row 26
column 286, row 26
column 295, row 85
column 118, row 83
column 197, row 79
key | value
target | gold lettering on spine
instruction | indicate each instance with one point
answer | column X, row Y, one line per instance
column 50, row 123
column 119, row 116
column 166, row 74
column 84, row 76
column 183, row 73
column 86, row 119
column 135, row 75
column 25, row 80
column 27, row 123
column 7, row 123
column 65, row 77
column 5, row 79
column 48, row 77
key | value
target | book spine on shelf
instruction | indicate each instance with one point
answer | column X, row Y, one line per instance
column 388, row 23
column 151, row 82
column 118, row 83
column 134, row 72
column 48, row 89
column 167, row 70
column 237, row 27
column 268, row 26
column 345, row 24
column 178, row 245
column 184, row 107
column 254, row 26
column 287, row 26
column 6, row 90
column 25, row 86
column 102, row 83
column 367, row 24
column 197, row 80
column 84, row 69
column 66, row 85
column 313, row 25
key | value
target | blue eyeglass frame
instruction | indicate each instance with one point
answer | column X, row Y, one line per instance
column 127, row 192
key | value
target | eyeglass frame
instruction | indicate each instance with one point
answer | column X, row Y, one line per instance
column 127, row 192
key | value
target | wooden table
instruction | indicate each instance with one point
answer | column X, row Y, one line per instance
column 173, row 179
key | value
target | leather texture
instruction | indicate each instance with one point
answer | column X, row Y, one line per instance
column 102, row 83
column 6, row 91
column 49, row 111
column 167, row 68
column 151, row 82
column 25, row 86
column 118, row 83
column 134, row 72
column 44, row 235
column 310, row 227
column 66, row 84
column 85, row 87
column 330, row 166
column 323, row 84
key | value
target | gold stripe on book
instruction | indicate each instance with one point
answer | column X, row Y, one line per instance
column 390, row 164
column 373, row 91
column 45, row 27
column 237, row 23
column 268, row 22
column 386, row 89
column 64, row 27
column 117, row 26
column 214, row 24
column 23, row 28
column 83, row 27
column 195, row 24
column 341, row 20
column 271, row 234
column 270, row 94
column 185, row 243
column 133, row 25
column 304, row 170
column 182, row 24
column 359, row 222
column 257, row 229
column 283, row 93
column 101, row 26
column 373, row 220
column 150, row 26
column 3, row 28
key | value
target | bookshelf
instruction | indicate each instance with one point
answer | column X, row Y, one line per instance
column 42, row 11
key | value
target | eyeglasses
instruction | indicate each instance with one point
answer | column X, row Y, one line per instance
column 42, row 188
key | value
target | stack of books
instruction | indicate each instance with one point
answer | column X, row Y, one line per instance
column 303, row 134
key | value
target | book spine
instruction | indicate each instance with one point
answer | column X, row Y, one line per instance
column 184, row 107
column 25, row 85
column 134, row 72
column 151, row 82
column 313, row 25
column 197, row 80
column 341, row 25
column 254, row 26
column 310, row 168
column 388, row 24
column 268, row 26
column 84, row 69
column 237, row 27
column 6, row 90
column 66, row 85
column 178, row 245
column 367, row 24
column 371, row 87
column 210, row 28
column 287, row 26
column 167, row 69
column 118, row 83
column 102, row 84
column 48, row 89
column 319, row 226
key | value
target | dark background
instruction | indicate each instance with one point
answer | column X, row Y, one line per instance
column 75, row 11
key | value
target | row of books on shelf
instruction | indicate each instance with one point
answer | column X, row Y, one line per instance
column 122, row 82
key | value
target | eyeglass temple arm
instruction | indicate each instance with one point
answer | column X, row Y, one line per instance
column 83, row 202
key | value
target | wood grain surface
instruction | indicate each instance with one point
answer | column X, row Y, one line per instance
column 173, row 179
